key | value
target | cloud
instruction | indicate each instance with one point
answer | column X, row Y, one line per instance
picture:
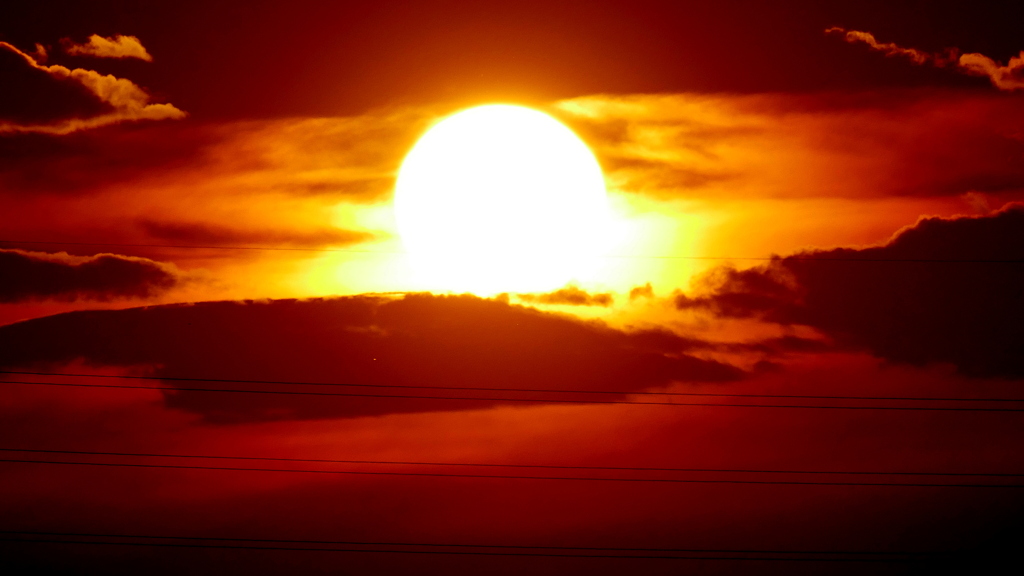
column 120, row 100
column 87, row 162
column 415, row 340
column 569, row 296
column 201, row 233
column 1009, row 76
column 40, row 53
column 42, row 276
column 781, row 345
column 908, row 143
column 943, row 290
column 1005, row 77
column 352, row 159
column 890, row 48
column 645, row 291
column 743, row 293
column 117, row 46
column 33, row 96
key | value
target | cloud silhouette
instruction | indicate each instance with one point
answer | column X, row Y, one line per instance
column 41, row 276
column 414, row 341
column 943, row 290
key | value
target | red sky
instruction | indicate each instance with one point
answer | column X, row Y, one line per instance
column 799, row 354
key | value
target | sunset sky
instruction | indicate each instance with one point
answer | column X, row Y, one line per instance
column 717, row 288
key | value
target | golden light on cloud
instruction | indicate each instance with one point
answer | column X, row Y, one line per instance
column 501, row 198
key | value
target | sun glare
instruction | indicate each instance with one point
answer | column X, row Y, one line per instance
column 501, row 198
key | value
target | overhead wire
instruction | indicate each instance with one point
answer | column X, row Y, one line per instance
column 506, row 465
column 501, row 389
column 466, row 545
column 514, row 476
column 888, row 560
column 461, row 549
column 506, row 399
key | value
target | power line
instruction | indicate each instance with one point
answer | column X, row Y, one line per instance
column 465, row 545
column 511, row 476
column 460, row 552
column 496, row 465
column 484, row 389
column 622, row 256
column 461, row 545
column 528, row 400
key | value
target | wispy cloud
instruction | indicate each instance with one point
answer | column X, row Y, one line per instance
column 890, row 48
column 1009, row 76
column 700, row 146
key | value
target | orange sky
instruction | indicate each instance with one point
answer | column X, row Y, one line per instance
column 817, row 211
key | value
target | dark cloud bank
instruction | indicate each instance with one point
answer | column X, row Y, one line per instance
column 942, row 291
column 415, row 340
column 38, row 276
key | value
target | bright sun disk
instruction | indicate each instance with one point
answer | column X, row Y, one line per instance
column 501, row 198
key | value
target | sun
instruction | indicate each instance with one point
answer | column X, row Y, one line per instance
column 501, row 198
